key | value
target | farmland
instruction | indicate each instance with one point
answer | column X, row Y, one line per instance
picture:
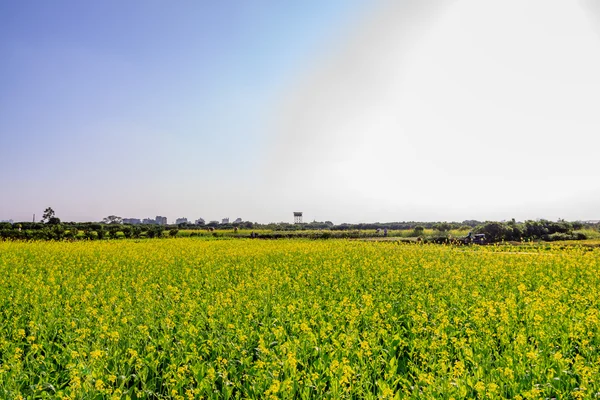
column 221, row 318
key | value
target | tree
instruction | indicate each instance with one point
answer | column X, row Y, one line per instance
column 418, row 231
column 49, row 216
column 442, row 227
column 100, row 232
column 136, row 232
column 113, row 219
column 155, row 231
column 113, row 232
column 58, row 231
column 496, row 231
column 127, row 232
column 89, row 234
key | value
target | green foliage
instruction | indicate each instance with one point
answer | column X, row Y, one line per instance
column 54, row 221
column 127, row 232
column 565, row 236
column 100, row 232
column 418, row 231
column 155, row 231
column 71, row 234
column 136, row 232
column 496, row 231
column 113, row 232
column 442, row 227
column 48, row 214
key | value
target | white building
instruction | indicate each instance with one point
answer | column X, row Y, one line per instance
column 225, row 220
column 161, row 220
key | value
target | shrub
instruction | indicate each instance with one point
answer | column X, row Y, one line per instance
column 127, row 232
column 418, row 231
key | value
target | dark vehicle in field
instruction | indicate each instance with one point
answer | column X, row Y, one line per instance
column 475, row 239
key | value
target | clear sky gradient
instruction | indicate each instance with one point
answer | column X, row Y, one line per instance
column 347, row 110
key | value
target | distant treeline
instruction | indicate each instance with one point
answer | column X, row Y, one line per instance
column 533, row 230
column 74, row 231
column 284, row 226
column 428, row 231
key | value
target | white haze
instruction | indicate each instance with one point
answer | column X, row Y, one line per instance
column 445, row 110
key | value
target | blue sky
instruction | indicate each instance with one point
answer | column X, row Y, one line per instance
column 103, row 99
column 347, row 110
column 197, row 69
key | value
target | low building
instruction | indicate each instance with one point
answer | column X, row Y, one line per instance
column 132, row 221
column 200, row 221
column 148, row 221
column 182, row 220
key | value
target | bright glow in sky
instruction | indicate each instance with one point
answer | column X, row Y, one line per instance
column 349, row 111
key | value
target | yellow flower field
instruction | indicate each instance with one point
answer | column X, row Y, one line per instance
column 195, row 318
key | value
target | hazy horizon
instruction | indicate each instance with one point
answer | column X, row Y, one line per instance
column 348, row 110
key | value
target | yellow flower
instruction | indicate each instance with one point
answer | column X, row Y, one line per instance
column 96, row 354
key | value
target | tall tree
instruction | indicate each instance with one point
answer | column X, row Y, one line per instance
column 48, row 213
column 49, row 217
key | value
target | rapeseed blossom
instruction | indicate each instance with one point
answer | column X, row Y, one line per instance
column 196, row 318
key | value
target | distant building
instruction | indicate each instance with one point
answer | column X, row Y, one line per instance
column 182, row 220
column 10, row 221
column 237, row 221
column 199, row 221
column 161, row 220
column 148, row 221
column 225, row 220
column 132, row 221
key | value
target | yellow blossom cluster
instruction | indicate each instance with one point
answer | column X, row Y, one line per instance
column 197, row 318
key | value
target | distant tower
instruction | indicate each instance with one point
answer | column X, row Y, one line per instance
column 297, row 217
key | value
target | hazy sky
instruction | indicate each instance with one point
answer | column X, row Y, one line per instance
column 347, row 110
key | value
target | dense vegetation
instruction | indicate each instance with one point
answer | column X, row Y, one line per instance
column 439, row 232
column 194, row 318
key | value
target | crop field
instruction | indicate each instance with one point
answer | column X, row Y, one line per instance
column 205, row 318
